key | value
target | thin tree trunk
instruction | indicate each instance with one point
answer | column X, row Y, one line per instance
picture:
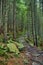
column 14, row 19
column 35, row 23
column 5, row 19
column 34, row 20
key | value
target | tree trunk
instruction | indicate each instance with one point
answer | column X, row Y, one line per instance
column 34, row 21
column 14, row 19
column 5, row 11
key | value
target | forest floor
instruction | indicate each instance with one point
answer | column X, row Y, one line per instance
column 29, row 56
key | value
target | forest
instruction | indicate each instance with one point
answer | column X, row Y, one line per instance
column 21, row 32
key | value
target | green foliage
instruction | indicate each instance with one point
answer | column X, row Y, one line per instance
column 1, row 38
column 30, row 41
column 10, row 41
column 2, row 50
column 12, row 48
column 20, row 46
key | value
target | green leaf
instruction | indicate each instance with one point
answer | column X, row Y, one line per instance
column 19, row 45
column 12, row 47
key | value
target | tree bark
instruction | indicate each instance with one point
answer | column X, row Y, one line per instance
column 14, row 19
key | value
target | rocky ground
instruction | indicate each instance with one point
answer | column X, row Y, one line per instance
column 29, row 56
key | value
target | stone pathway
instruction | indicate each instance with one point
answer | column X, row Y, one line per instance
column 33, row 53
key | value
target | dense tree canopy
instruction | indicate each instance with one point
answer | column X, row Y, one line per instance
column 19, row 17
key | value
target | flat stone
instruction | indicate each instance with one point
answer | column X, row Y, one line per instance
column 35, row 54
column 34, row 63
